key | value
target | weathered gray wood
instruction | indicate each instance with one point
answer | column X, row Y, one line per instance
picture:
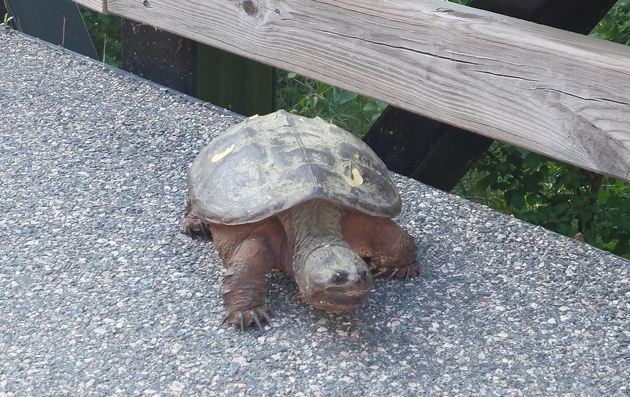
column 96, row 5
column 439, row 154
column 543, row 89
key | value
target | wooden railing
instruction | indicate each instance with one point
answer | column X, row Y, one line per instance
column 557, row 93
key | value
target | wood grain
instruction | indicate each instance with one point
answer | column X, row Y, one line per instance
column 96, row 5
column 554, row 92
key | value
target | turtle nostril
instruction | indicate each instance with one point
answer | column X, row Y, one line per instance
column 363, row 274
column 340, row 278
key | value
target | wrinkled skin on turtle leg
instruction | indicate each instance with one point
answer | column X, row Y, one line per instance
column 248, row 253
column 388, row 248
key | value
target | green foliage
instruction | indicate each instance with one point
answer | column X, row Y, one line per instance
column 559, row 197
column 105, row 31
column 615, row 26
column 310, row 98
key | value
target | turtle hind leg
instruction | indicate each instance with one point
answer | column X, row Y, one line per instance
column 192, row 225
column 387, row 248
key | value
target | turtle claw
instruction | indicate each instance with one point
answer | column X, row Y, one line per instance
column 412, row 271
column 205, row 230
column 270, row 311
column 257, row 315
column 241, row 321
column 257, row 321
column 406, row 272
column 391, row 274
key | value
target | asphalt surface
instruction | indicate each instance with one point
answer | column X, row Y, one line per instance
column 101, row 295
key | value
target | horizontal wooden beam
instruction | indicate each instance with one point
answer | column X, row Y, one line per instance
column 557, row 93
column 96, row 5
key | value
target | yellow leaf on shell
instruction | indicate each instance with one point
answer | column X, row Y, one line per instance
column 224, row 153
column 356, row 179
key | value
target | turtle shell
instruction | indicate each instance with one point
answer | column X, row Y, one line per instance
column 268, row 164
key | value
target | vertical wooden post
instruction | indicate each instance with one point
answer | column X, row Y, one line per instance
column 224, row 79
column 233, row 82
column 159, row 56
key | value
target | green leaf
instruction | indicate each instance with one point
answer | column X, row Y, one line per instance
column 372, row 106
column 482, row 184
column 341, row 97
column 603, row 196
column 320, row 89
column 517, row 201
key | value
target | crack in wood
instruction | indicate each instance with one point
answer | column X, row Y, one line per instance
column 584, row 98
column 377, row 43
column 506, row 76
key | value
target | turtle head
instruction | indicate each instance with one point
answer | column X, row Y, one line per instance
column 334, row 278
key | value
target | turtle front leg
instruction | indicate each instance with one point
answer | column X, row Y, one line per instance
column 389, row 250
column 248, row 254
column 244, row 296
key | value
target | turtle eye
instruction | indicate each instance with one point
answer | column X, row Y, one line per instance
column 340, row 278
column 367, row 259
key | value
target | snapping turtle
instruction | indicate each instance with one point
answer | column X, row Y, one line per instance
column 300, row 195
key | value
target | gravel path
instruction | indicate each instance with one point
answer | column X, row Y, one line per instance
column 101, row 295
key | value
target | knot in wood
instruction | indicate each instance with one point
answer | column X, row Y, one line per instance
column 250, row 7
